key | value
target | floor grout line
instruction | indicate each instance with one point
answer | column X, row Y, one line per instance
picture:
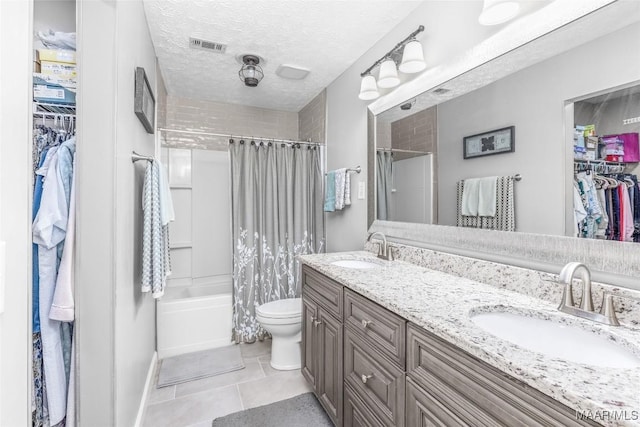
column 240, row 396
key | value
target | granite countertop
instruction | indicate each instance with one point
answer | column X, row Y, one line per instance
column 443, row 304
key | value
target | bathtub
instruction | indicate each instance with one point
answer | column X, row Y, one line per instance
column 195, row 317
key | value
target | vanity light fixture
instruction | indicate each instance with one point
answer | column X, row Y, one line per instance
column 496, row 12
column 411, row 58
column 251, row 73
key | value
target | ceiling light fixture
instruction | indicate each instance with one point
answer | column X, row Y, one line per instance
column 409, row 50
column 496, row 12
column 251, row 73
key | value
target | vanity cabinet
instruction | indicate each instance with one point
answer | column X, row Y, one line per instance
column 447, row 386
column 370, row 367
column 322, row 340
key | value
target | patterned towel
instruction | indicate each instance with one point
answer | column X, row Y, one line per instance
column 155, row 236
column 504, row 218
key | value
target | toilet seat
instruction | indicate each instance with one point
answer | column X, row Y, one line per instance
column 288, row 308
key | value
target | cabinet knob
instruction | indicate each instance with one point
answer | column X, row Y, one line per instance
column 365, row 323
column 366, row 378
column 316, row 323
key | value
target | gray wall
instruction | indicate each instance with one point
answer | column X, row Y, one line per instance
column 312, row 119
column 533, row 101
column 116, row 322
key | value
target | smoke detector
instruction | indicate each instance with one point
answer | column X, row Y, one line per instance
column 292, row 72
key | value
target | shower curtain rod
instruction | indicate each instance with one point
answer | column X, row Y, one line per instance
column 397, row 150
column 249, row 138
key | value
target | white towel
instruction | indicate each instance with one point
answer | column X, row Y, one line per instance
column 347, row 189
column 62, row 307
column 470, row 197
column 340, row 179
column 487, row 196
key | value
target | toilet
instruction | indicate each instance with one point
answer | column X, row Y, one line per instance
column 283, row 320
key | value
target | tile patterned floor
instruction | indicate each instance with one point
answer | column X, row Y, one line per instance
column 197, row 403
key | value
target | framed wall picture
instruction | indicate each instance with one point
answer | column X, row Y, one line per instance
column 487, row 143
column 145, row 103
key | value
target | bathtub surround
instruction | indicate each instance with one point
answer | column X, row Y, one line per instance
column 276, row 215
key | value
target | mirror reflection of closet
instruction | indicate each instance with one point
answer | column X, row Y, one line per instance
column 606, row 156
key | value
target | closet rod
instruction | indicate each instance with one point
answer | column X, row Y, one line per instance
column 248, row 138
column 40, row 115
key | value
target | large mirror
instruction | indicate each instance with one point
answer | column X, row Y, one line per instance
column 519, row 115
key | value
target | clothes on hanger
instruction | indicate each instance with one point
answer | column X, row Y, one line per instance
column 607, row 206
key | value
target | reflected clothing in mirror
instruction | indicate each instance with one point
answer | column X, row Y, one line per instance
column 384, row 177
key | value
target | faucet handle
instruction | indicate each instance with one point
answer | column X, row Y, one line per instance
column 608, row 310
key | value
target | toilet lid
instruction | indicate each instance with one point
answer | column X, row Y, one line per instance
column 289, row 307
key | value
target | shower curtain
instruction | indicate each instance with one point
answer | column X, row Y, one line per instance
column 276, row 215
column 384, row 181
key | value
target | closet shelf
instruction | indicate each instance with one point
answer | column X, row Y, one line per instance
column 41, row 107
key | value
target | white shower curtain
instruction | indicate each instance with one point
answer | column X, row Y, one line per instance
column 276, row 215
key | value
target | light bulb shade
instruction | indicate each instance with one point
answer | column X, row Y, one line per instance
column 388, row 76
column 368, row 88
column 251, row 73
column 412, row 58
column 496, row 12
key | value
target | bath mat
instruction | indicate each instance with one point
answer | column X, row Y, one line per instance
column 200, row 364
column 299, row 411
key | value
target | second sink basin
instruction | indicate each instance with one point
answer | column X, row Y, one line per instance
column 355, row 263
column 557, row 340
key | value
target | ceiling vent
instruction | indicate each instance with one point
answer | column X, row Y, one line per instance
column 196, row 43
column 440, row 91
column 292, row 72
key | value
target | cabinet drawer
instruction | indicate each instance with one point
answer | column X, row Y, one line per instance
column 375, row 379
column 476, row 392
column 384, row 330
column 356, row 413
column 327, row 292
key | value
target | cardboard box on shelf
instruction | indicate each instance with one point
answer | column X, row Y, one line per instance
column 56, row 55
column 69, row 83
column 52, row 93
column 61, row 69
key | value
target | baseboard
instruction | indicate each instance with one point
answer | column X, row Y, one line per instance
column 147, row 388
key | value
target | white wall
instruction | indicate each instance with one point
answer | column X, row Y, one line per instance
column 15, row 210
column 116, row 323
column 533, row 101
column 56, row 15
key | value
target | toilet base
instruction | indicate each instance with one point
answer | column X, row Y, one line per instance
column 285, row 353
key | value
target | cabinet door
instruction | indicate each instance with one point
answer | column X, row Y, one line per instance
column 330, row 385
column 423, row 410
column 309, row 342
column 356, row 413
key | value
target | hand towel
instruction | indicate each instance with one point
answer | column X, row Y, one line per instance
column 347, row 189
column 487, row 196
column 470, row 197
column 340, row 177
column 330, row 192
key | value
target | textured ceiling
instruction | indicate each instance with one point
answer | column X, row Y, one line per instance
column 321, row 35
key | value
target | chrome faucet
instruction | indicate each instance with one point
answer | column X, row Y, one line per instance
column 383, row 248
column 607, row 313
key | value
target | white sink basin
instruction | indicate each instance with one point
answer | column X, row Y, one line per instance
column 566, row 342
column 355, row 263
